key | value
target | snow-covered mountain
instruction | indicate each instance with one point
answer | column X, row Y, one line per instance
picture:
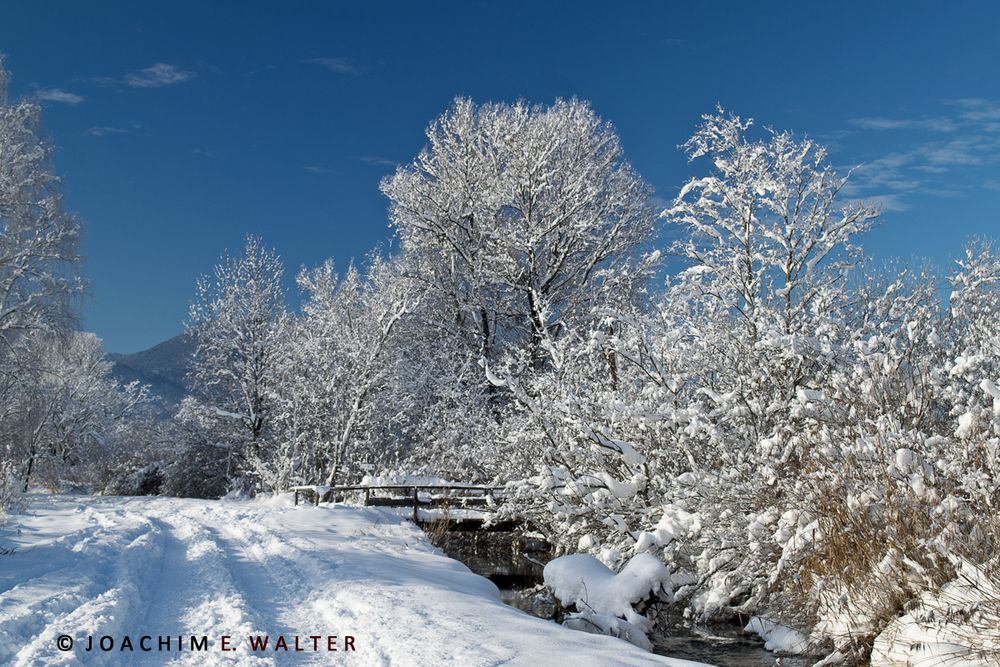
column 163, row 367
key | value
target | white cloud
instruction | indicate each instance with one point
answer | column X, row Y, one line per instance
column 157, row 76
column 104, row 130
column 968, row 151
column 964, row 143
column 929, row 124
column 338, row 65
column 58, row 95
column 884, row 201
column 379, row 161
column 977, row 110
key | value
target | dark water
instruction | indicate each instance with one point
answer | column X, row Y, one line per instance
column 723, row 650
column 724, row 646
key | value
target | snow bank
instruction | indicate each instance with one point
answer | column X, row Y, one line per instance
column 958, row 625
column 778, row 637
column 608, row 624
column 275, row 500
column 606, row 601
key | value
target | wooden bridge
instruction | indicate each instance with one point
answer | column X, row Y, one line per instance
column 446, row 497
column 508, row 552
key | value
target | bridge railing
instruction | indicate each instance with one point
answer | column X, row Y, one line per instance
column 406, row 495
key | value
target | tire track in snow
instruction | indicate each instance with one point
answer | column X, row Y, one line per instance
column 114, row 566
column 339, row 590
column 269, row 581
column 196, row 594
column 65, row 552
column 263, row 599
column 298, row 578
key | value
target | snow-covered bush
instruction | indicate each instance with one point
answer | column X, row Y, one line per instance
column 195, row 456
column 600, row 601
column 146, row 481
column 797, row 437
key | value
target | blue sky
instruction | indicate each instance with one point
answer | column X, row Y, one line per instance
column 183, row 126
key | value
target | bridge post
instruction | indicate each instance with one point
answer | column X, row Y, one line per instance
column 416, row 500
column 296, row 497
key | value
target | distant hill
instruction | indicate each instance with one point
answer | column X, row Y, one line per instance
column 163, row 367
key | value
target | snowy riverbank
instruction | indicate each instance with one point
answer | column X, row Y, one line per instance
column 139, row 570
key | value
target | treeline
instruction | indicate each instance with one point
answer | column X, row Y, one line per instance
column 517, row 226
column 795, row 433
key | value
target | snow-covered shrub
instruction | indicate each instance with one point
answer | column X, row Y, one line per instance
column 197, row 465
column 146, row 481
column 957, row 623
column 901, row 483
column 71, row 413
column 796, row 439
column 603, row 602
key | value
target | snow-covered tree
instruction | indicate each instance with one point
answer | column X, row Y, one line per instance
column 524, row 212
column 448, row 416
column 237, row 321
column 71, row 412
column 518, row 222
column 38, row 239
column 38, row 257
column 766, row 229
column 336, row 361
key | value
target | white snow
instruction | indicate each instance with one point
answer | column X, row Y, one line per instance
column 676, row 523
column 406, row 478
column 601, row 623
column 966, row 424
column 129, row 567
column 601, row 595
column 953, row 627
column 778, row 637
column 990, row 389
column 809, row 395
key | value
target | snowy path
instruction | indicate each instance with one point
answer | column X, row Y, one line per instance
column 129, row 568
